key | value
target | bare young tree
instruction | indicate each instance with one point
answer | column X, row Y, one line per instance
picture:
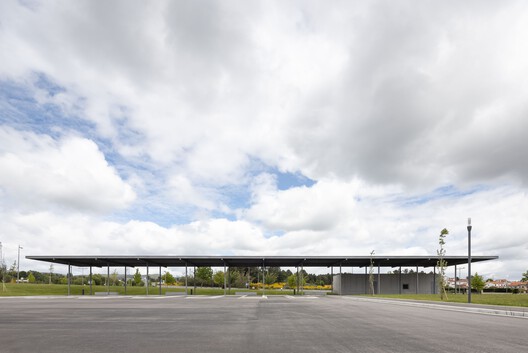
column 442, row 263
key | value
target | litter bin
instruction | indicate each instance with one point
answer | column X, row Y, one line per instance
column 191, row 292
column 83, row 291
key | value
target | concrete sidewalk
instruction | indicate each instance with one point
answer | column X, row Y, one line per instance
column 500, row 310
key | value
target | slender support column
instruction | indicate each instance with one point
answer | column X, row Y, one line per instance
column 91, row 280
column 160, row 280
column 147, row 278
column 366, row 280
column 186, row 283
column 107, row 278
column 400, row 281
column 302, row 279
column 69, row 278
column 434, row 280
column 229, row 280
column 297, row 279
column 379, row 280
column 225, row 279
column 417, row 280
column 263, row 277
column 125, row 280
column 469, row 260
column 455, row 279
column 332, row 278
column 194, row 279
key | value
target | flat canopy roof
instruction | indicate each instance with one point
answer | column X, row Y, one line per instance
column 254, row 261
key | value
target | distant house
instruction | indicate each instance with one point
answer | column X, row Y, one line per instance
column 521, row 286
column 460, row 283
column 499, row 283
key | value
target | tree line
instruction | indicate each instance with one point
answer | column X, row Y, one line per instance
column 204, row 276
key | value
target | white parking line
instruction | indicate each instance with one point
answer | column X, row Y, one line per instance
column 204, row 297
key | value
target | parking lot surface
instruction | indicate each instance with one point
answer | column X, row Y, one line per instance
column 248, row 324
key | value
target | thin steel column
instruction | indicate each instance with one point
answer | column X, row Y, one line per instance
column 107, row 278
column 455, row 279
column 400, row 281
column 91, row 280
column 147, row 278
column 366, row 280
column 379, row 280
column 469, row 260
column 229, row 279
column 263, row 277
column 125, row 279
column 160, row 280
column 69, row 278
column 417, row 279
column 302, row 279
column 297, row 279
column 332, row 278
column 225, row 280
column 186, row 284
column 434, row 280
column 194, row 279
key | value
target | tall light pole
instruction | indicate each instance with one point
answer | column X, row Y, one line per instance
column 469, row 259
column 18, row 264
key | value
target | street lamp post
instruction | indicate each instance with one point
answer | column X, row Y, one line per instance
column 18, row 264
column 469, row 259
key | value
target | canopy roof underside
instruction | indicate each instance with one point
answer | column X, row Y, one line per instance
column 255, row 261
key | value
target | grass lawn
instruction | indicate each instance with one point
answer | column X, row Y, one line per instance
column 25, row 289
column 490, row 299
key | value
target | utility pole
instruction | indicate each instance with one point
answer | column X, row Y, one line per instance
column 18, row 264
column 469, row 259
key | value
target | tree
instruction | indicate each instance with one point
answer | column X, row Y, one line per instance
column 31, row 278
column 525, row 277
column 442, row 263
column 113, row 278
column 371, row 273
column 204, row 274
column 270, row 278
column 292, row 281
column 477, row 283
column 168, row 278
column 137, row 278
column 218, row 278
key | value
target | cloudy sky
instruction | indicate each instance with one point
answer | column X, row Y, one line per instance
column 264, row 128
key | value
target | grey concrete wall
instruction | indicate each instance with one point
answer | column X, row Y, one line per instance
column 389, row 283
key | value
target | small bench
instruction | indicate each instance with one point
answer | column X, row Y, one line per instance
column 106, row 293
column 245, row 293
column 175, row 293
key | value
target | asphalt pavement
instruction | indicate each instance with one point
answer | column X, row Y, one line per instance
column 249, row 324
